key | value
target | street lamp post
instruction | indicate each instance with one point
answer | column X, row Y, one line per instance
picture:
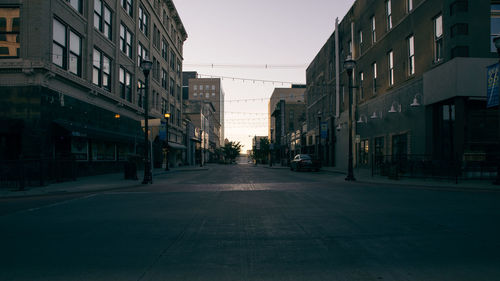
column 202, row 143
column 318, row 155
column 146, row 66
column 271, row 147
column 496, row 40
column 349, row 65
column 167, row 119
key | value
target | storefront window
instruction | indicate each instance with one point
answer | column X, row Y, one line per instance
column 102, row 151
column 10, row 26
column 79, row 148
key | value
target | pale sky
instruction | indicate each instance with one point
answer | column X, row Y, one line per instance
column 246, row 35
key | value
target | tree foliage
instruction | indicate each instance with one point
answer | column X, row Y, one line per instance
column 231, row 150
column 261, row 155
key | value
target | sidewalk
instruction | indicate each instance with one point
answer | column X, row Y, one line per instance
column 364, row 175
column 92, row 183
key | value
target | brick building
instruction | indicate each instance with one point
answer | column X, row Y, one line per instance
column 419, row 80
column 71, row 81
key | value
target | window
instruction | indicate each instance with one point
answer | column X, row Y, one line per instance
column 195, row 87
column 125, row 40
column 411, row 55
column 494, row 25
column 178, row 115
column 140, row 94
column 164, row 49
column 66, row 48
column 374, row 69
column 388, row 14
column 360, row 36
column 164, row 80
column 438, row 38
column 156, row 37
column 102, row 18
column 128, row 6
column 374, row 34
column 101, row 74
column 165, row 19
column 409, row 5
column 364, row 152
column 390, row 63
column 172, row 59
column 378, row 149
column 172, row 87
column 163, row 106
column 213, row 87
column 142, row 53
column 361, row 92
column 143, row 21
column 76, row 4
column 399, row 147
column 172, row 111
column 10, row 32
column 125, row 85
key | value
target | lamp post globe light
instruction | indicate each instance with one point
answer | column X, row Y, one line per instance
column 496, row 40
column 349, row 65
column 167, row 119
column 146, row 66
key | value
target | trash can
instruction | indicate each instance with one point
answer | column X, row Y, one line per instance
column 130, row 170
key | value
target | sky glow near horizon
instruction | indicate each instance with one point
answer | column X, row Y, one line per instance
column 245, row 36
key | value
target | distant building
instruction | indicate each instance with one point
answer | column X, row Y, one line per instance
column 209, row 89
column 419, row 81
column 71, row 81
column 286, row 115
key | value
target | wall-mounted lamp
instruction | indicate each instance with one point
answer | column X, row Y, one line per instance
column 362, row 119
column 415, row 102
column 376, row 116
column 395, row 107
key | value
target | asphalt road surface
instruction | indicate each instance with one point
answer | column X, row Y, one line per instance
column 241, row 222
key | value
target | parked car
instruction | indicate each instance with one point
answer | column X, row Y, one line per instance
column 304, row 162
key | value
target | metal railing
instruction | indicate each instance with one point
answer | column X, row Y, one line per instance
column 424, row 166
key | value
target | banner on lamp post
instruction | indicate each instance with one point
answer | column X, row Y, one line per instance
column 324, row 130
column 492, row 87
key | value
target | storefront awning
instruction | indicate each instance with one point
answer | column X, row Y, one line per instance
column 86, row 131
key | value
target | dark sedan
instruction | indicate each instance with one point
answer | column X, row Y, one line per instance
column 304, row 162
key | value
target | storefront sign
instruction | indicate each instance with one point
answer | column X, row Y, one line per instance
column 324, row 130
column 492, row 79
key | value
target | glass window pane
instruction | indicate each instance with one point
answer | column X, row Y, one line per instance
column 107, row 15
column 106, row 64
column 105, row 81
column 122, row 76
column 439, row 26
column 57, row 55
column 76, row 4
column 73, row 64
column 95, row 76
column 98, row 6
column 97, row 58
column 75, row 43
column 59, row 32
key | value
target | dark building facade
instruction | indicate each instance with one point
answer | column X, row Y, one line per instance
column 419, row 81
column 73, row 88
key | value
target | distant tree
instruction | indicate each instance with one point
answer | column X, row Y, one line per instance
column 262, row 154
column 231, row 150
